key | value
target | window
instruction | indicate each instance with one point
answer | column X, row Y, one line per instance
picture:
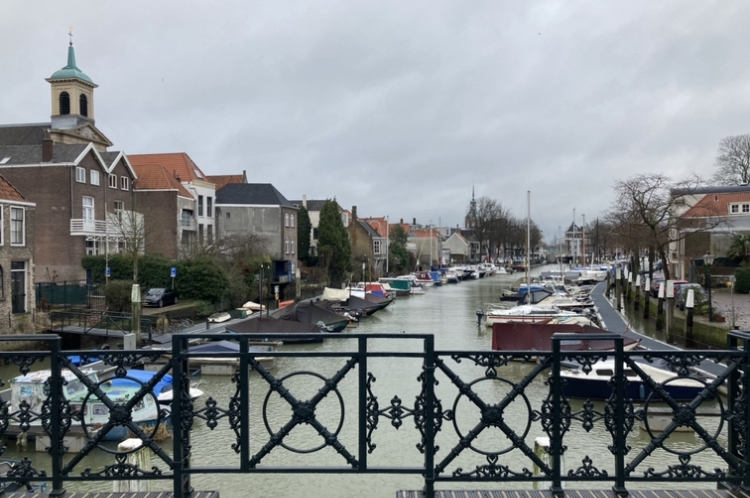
column 119, row 208
column 291, row 244
column 286, row 220
column 376, row 246
column 291, row 220
column 80, row 174
column 17, row 227
column 124, row 183
column 112, row 181
column 200, row 205
column 200, row 233
column 84, row 105
column 186, row 218
column 209, row 206
column 94, row 175
column 64, row 103
column 746, row 208
column 88, row 208
column 286, row 245
column 739, row 208
column 210, row 233
column 18, row 286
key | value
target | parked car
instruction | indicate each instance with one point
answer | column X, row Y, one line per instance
column 160, row 297
column 655, row 286
column 699, row 295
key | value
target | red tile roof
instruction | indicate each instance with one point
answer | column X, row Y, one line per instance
column 8, row 192
column 156, row 177
column 716, row 204
column 178, row 164
column 221, row 180
column 378, row 224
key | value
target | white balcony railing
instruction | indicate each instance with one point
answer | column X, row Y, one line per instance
column 88, row 227
column 114, row 226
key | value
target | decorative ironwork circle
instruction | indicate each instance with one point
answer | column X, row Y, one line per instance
column 304, row 412
column 684, row 415
column 119, row 416
column 493, row 416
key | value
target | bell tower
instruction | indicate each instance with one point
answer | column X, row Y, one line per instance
column 72, row 95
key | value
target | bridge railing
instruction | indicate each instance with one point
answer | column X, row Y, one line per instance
column 92, row 320
column 392, row 404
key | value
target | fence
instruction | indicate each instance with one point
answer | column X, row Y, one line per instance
column 471, row 420
column 75, row 293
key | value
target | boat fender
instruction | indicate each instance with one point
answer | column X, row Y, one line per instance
column 642, row 391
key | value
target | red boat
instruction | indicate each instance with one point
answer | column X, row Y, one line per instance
column 524, row 336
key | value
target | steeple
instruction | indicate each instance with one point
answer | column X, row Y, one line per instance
column 72, row 94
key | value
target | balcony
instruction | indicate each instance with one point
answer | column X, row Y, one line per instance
column 117, row 225
column 89, row 227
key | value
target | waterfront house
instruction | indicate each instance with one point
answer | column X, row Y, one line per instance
column 313, row 208
column 191, row 224
column 17, row 296
column 368, row 248
column 458, row 248
column 63, row 167
column 259, row 209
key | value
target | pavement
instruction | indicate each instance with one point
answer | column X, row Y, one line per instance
column 729, row 304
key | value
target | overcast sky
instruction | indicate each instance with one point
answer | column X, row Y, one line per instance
column 400, row 107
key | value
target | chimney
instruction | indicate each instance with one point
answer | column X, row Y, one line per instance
column 47, row 147
column 354, row 213
column 402, row 221
column 414, row 221
column 304, row 200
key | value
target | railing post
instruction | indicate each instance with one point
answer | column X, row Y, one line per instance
column 555, row 446
column 180, row 435
column 429, row 416
column 362, row 352
column 56, row 438
column 619, row 487
column 244, row 403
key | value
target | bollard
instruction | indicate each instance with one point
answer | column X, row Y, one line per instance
column 689, row 305
column 618, row 290
column 660, row 308
column 647, row 298
column 480, row 315
column 637, row 300
column 669, row 291
column 629, row 290
column 142, row 458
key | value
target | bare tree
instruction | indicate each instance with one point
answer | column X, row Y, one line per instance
column 733, row 161
column 656, row 203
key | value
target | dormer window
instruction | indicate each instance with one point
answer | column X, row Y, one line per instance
column 83, row 103
column 739, row 208
column 64, row 103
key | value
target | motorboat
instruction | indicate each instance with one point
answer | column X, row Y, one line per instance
column 532, row 313
column 597, row 383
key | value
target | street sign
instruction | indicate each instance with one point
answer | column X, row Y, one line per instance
column 173, row 272
column 108, row 272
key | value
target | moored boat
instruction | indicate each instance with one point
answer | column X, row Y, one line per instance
column 524, row 336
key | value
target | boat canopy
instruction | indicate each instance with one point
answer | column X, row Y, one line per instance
column 336, row 295
column 307, row 312
column 263, row 325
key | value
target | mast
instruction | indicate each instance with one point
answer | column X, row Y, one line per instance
column 583, row 241
column 528, row 245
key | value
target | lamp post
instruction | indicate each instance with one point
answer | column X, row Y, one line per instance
column 708, row 260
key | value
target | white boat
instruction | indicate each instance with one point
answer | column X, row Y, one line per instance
column 533, row 313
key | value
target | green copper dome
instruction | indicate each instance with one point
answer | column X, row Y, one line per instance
column 71, row 70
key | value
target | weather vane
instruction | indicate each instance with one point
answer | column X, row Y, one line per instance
column 70, row 34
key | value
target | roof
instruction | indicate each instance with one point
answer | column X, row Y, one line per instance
column 380, row 225
column 717, row 204
column 251, row 193
column 312, row 205
column 424, row 232
column 71, row 71
column 23, row 134
column 156, row 177
column 32, row 154
column 178, row 164
column 720, row 189
column 221, row 180
column 370, row 231
column 8, row 192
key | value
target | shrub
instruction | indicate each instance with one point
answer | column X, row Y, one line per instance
column 742, row 275
column 117, row 295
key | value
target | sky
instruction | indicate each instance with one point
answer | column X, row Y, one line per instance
column 402, row 108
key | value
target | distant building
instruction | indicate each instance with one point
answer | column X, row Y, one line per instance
column 368, row 248
column 17, row 296
column 313, row 208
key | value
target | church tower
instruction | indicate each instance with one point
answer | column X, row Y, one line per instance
column 73, row 106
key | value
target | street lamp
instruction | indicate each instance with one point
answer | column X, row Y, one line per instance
column 708, row 260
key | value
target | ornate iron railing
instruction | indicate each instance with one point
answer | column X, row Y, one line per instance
column 474, row 415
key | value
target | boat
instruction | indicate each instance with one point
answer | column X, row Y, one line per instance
column 94, row 413
column 401, row 287
column 162, row 390
column 319, row 313
column 597, row 383
column 526, row 313
column 265, row 328
column 515, row 336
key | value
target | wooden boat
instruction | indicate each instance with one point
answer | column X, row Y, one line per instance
column 525, row 336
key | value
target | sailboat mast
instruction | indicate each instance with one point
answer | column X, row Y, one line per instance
column 583, row 242
column 528, row 245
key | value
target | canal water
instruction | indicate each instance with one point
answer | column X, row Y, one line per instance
column 448, row 312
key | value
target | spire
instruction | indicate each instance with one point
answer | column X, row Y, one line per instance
column 71, row 71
